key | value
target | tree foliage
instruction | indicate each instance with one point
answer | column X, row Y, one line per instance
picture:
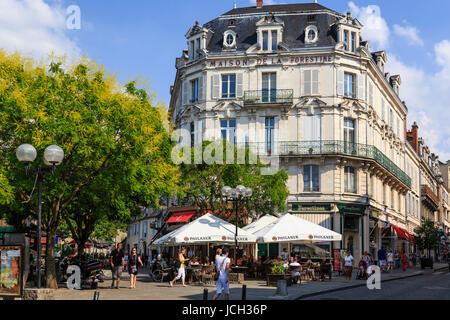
column 117, row 150
column 427, row 236
column 203, row 185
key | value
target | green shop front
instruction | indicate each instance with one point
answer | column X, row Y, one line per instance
column 349, row 220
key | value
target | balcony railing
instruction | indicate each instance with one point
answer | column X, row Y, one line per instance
column 427, row 191
column 284, row 96
column 329, row 147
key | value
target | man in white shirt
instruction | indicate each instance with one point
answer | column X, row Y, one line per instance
column 284, row 255
column 223, row 267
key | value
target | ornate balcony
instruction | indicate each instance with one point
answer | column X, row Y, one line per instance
column 333, row 147
column 258, row 97
column 430, row 196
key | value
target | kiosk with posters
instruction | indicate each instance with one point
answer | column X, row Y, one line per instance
column 11, row 269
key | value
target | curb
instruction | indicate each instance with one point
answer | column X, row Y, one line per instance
column 353, row 287
column 440, row 269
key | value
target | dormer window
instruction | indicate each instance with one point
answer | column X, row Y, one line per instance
column 311, row 35
column 229, row 39
column 270, row 33
column 270, row 40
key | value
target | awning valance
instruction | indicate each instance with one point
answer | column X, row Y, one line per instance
column 179, row 217
column 402, row 233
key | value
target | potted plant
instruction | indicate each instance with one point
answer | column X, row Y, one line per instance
column 277, row 273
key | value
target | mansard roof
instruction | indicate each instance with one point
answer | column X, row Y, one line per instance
column 281, row 8
column 295, row 22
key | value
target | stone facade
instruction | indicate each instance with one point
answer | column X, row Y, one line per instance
column 299, row 86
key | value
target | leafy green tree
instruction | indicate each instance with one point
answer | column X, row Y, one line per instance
column 427, row 237
column 116, row 145
column 203, row 185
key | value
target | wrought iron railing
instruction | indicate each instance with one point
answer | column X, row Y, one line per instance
column 273, row 96
column 329, row 147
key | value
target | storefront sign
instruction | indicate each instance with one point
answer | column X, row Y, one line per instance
column 265, row 61
column 11, row 271
column 337, row 259
column 351, row 209
column 311, row 208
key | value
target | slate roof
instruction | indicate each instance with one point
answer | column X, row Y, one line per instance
column 298, row 7
column 294, row 26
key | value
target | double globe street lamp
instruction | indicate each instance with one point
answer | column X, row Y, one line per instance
column 53, row 156
column 238, row 195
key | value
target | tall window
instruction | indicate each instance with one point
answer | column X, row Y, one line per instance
column 345, row 39
column 349, row 130
column 270, row 127
column 192, row 50
column 349, row 85
column 229, row 86
column 311, row 180
column 265, row 45
column 192, row 129
column 353, row 42
column 196, row 48
column 194, row 90
column 350, row 180
column 228, row 128
column 269, row 87
column 274, row 40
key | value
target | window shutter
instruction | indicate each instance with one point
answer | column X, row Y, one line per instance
column 200, row 89
column 340, row 82
column 316, row 128
column 307, row 128
column 185, row 92
column 361, row 87
column 315, row 82
column 215, row 86
column 307, row 78
column 239, row 85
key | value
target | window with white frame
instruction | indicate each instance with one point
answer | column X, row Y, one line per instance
column 311, row 179
column 270, row 40
column 229, row 39
column 269, row 87
column 265, row 40
column 270, row 130
column 346, row 38
column 349, row 85
column 228, row 129
column 194, row 90
column 228, row 86
column 350, row 179
column 311, row 34
column 353, row 42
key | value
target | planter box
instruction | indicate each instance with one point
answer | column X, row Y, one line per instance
column 426, row 263
column 272, row 279
column 236, row 278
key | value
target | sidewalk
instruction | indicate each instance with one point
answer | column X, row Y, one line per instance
column 256, row 289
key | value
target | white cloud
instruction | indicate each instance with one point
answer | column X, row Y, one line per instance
column 36, row 28
column 410, row 33
column 426, row 95
column 375, row 28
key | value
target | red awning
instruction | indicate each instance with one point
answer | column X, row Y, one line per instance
column 178, row 217
column 402, row 233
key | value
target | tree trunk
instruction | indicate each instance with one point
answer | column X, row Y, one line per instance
column 50, row 275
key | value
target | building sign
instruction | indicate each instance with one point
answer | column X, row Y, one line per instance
column 269, row 61
column 311, row 207
column 343, row 208
column 11, row 271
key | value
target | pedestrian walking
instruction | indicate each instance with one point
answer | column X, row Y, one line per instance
column 405, row 260
column 397, row 259
column 382, row 259
column 181, row 274
column 133, row 260
column 348, row 266
column 390, row 260
column 117, row 263
column 223, row 268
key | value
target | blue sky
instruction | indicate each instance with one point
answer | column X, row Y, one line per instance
column 143, row 38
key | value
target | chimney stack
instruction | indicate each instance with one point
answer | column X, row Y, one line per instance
column 413, row 137
column 259, row 3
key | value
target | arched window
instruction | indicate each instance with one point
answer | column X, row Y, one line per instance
column 311, row 34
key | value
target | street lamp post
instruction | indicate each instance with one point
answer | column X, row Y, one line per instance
column 236, row 196
column 53, row 156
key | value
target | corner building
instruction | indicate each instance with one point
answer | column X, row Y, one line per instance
column 298, row 85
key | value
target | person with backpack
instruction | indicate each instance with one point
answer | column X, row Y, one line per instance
column 180, row 265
